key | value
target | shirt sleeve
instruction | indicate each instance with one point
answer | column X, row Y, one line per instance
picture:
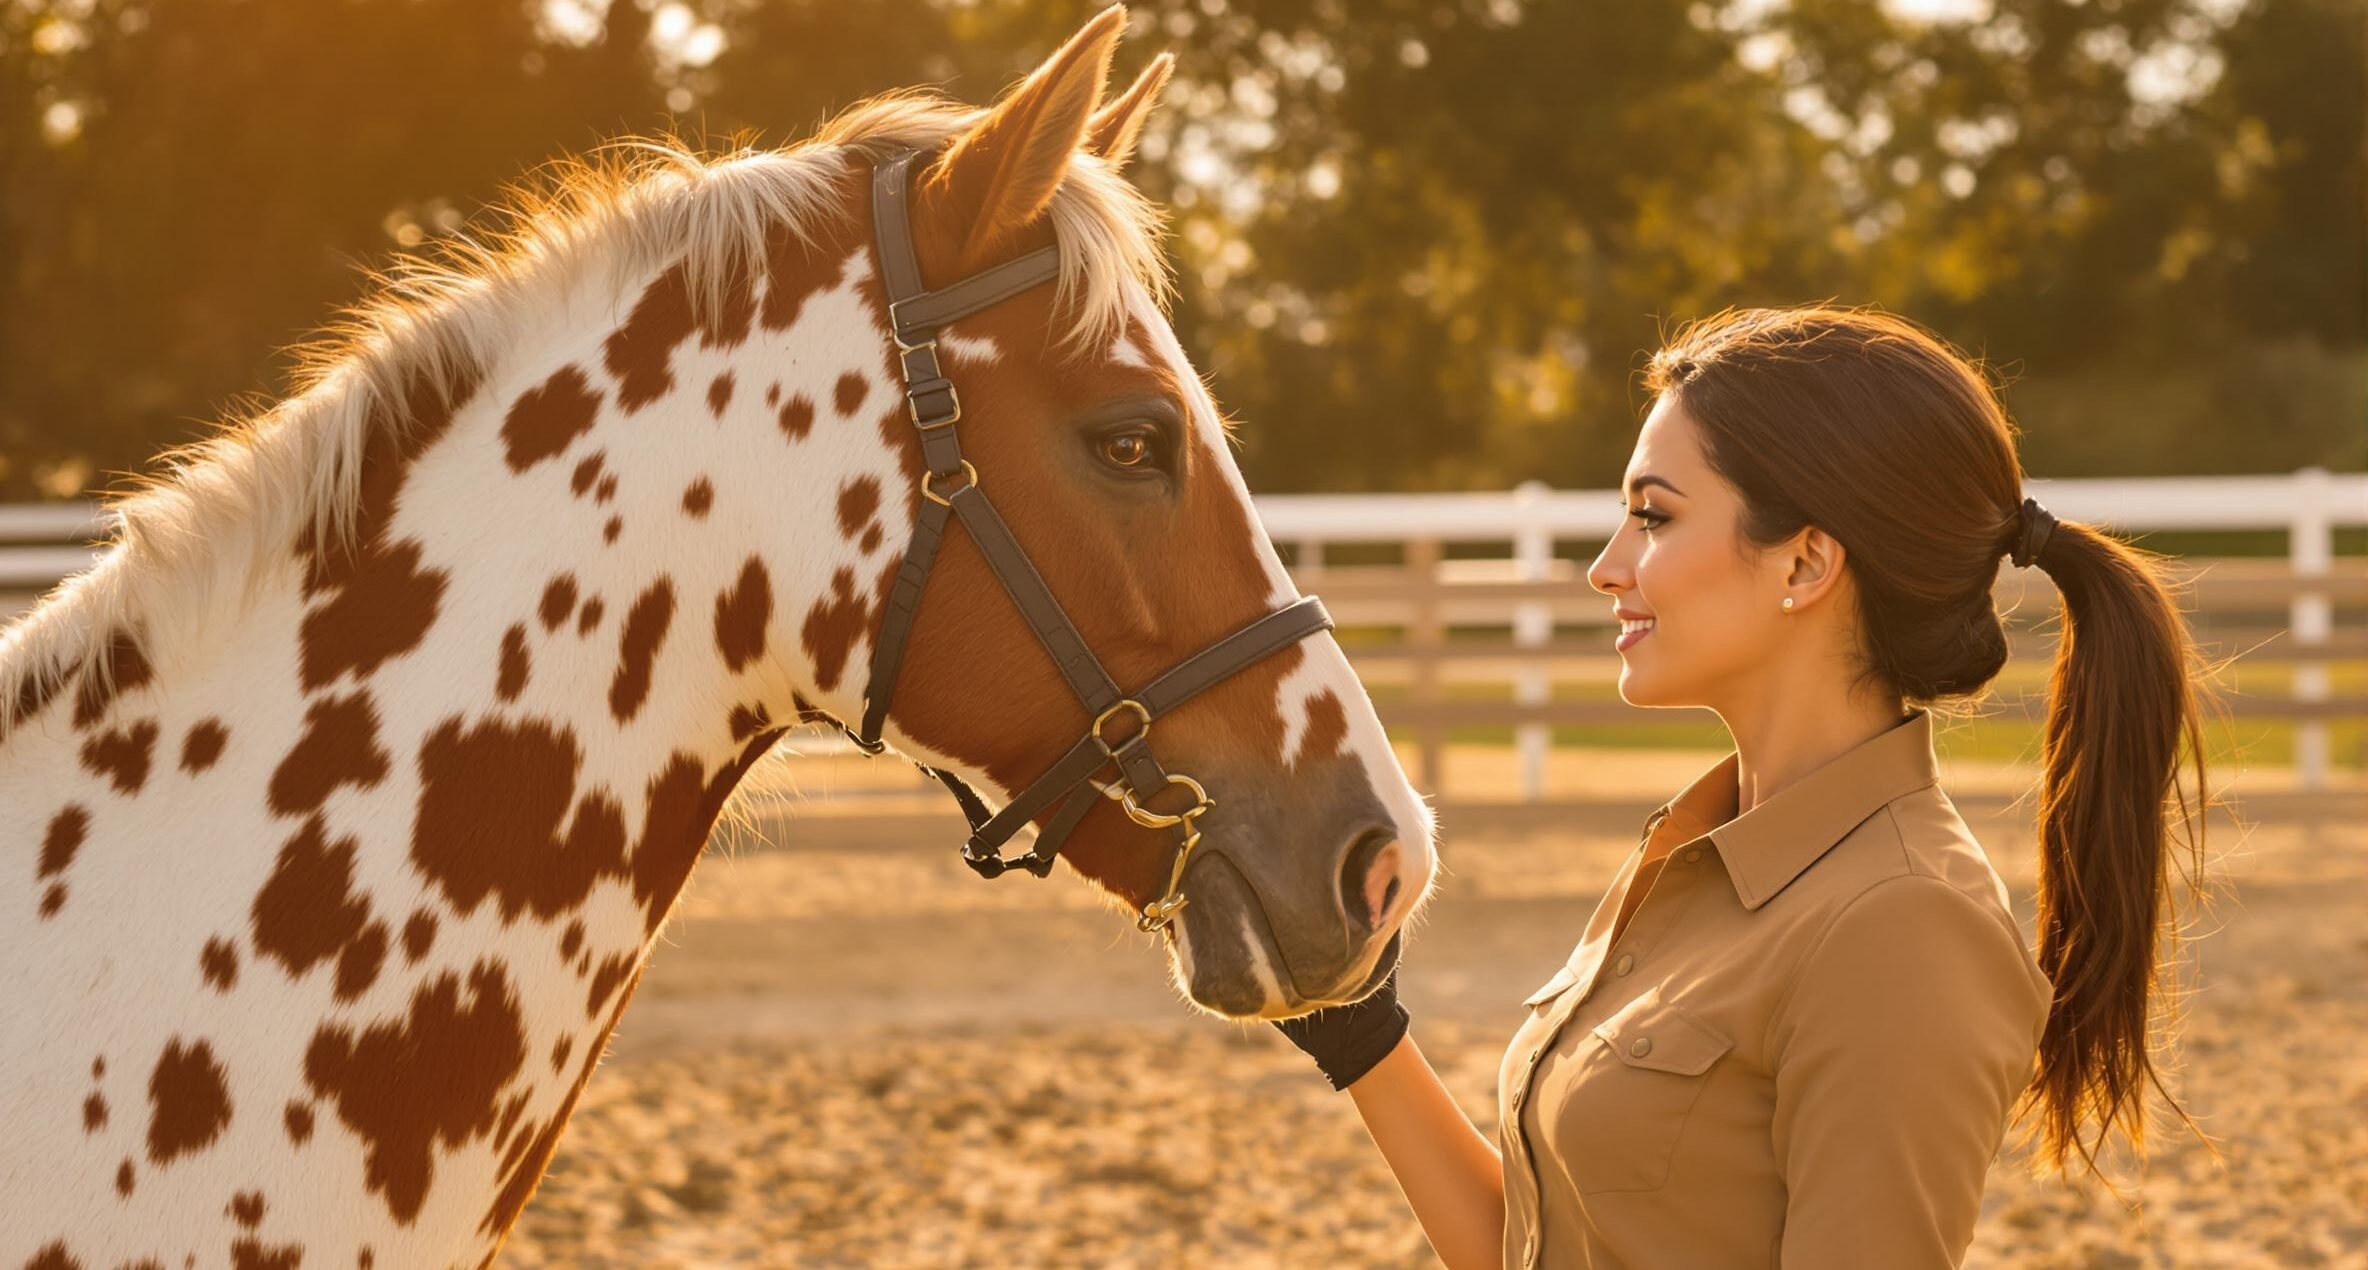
column 1911, row 1028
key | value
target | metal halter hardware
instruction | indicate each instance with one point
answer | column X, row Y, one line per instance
column 1067, row 788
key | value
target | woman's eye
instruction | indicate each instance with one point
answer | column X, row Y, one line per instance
column 1650, row 518
column 1127, row 449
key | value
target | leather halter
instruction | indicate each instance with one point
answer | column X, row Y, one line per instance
column 951, row 488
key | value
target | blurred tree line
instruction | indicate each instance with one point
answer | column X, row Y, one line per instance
column 1424, row 243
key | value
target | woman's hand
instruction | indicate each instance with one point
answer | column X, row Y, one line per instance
column 1347, row 1040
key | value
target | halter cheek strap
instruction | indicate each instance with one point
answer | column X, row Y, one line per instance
column 951, row 489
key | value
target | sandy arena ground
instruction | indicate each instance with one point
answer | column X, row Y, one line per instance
column 853, row 1052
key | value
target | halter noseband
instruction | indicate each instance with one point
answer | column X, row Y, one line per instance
column 951, row 488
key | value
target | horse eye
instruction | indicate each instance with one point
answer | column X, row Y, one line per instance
column 1127, row 449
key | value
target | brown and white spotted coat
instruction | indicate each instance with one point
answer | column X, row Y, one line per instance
column 324, row 895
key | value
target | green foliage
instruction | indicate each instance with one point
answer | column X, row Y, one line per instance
column 1423, row 243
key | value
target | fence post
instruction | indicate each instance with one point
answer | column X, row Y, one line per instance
column 1311, row 560
column 2310, row 548
column 1428, row 635
column 1533, row 627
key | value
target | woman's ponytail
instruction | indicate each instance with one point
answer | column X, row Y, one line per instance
column 2122, row 703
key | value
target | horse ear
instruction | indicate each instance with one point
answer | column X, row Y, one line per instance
column 1117, row 126
column 999, row 176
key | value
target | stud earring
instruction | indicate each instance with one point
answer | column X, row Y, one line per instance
column 1788, row 605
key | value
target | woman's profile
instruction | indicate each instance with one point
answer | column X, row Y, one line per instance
column 1798, row 1025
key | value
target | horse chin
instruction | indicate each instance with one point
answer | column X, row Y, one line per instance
column 1224, row 956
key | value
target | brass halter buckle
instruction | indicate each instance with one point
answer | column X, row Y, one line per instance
column 1142, row 733
column 929, row 484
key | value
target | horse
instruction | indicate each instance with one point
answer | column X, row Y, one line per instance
column 349, row 789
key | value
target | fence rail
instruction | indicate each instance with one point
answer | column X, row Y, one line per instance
column 1531, row 620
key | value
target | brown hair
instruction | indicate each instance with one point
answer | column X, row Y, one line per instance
column 1876, row 431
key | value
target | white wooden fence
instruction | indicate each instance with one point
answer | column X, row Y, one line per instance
column 1505, row 574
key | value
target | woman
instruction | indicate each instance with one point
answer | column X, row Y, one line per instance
column 1795, row 1027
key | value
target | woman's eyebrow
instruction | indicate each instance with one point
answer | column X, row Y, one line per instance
column 1636, row 486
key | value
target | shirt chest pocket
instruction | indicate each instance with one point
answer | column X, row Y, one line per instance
column 1624, row 1099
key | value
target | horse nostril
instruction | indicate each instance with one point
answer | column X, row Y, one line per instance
column 1369, row 881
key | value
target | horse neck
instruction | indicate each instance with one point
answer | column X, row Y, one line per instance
column 433, row 795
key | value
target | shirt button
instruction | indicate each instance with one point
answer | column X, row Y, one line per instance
column 1641, row 1046
column 1626, row 963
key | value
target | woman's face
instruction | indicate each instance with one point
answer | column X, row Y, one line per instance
column 1699, row 605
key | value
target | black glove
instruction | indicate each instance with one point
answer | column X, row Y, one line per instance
column 1347, row 1040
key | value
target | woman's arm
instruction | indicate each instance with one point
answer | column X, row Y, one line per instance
column 1450, row 1171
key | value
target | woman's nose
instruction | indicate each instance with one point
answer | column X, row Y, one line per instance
column 1604, row 575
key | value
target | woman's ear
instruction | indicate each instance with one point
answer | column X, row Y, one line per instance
column 1813, row 566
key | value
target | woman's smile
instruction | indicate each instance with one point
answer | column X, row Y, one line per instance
column 1633, row 629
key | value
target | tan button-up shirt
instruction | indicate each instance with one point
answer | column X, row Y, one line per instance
column 1800, row 1049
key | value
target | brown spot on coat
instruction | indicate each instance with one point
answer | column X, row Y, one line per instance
column 587, row 471
column 382, row 608
column 246, row 1208
column 407, row 1085
column 419, row 933
column 219, row 960
column 591, row 616
column 849, row 392
column 118, row 670
column 339, row 746
column 796, row 417
column 609, row 531
column 202, row 745
column 1327, row 728
column 94, row 1113
column 307, row 911
column 772, row 394
column 682, row 808
column 298, row 1118
column 53, row 1256
column 358, row 964
column 698, row 498
column 748, row 720
column 608, row 489
column 871, row 539
column 859, row 501
column 559, row 1052
column 67, row 829
column 251, row 1254
column 637, row 649
column 121, row 755
column 123, row 1178
column 797, row 267
column 559, row 601
column 546, row 418
column 52, row 900
column 641, row 352
column 512, row 679
column 719, row 394
column 188, row 1099
column 612, row 972
column 833, row 625
column 490, row 805
column 741, row 615
column 571, row 939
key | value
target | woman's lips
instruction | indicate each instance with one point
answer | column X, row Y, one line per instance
column 1629, row 639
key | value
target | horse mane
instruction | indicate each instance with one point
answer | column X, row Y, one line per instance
column 189, row 538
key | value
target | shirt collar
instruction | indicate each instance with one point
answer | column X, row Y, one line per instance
column 1765, row 848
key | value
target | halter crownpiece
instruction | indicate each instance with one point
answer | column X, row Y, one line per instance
column 1067, row 789
column 2036, row 524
